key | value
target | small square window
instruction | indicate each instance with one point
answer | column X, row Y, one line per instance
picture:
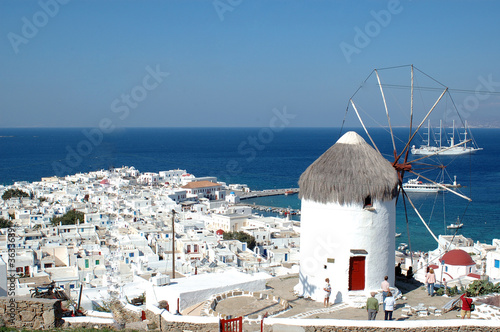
column 497, row 263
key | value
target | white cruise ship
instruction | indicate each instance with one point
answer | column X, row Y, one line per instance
column 415, row 185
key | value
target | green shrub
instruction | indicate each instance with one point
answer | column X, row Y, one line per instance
column 14, row 193
column 4, row 223
column 105, row 307
column 69, row 218
column 483, row 287
column 242, row 237
column 452, row 291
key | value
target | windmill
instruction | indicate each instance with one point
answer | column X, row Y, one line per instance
column 399, row 101
column 349, row 196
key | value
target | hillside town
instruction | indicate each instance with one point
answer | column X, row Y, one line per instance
column 161, row 237
column 130, row 220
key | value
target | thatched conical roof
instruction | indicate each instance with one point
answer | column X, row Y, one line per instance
column 348, row 172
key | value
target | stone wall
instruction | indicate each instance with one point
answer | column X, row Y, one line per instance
column 380, row 329
column 122, row 314
column 491, row 299
column 324, row 325
column 33, row 313
column 163, row 325
column 161, row 319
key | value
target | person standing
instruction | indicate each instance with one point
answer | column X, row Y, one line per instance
column 430, row 280
column 397, row 270
column 328, row 291
column 409, row 273
column 389, row 303
column 466, row 305
column 372, row 306
column 385, row 288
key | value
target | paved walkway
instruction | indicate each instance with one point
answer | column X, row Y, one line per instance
column 331, row 309
column 282, row 287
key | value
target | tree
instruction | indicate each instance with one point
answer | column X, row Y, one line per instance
column 69, row 218
column 14, row 193
column 4, row 223
column 242, row 237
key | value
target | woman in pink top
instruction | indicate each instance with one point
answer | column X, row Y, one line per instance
column 430, row 279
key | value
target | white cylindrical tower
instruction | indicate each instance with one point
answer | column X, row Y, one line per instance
column 347, row 221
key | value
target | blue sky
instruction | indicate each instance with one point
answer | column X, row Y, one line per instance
column 231, row 62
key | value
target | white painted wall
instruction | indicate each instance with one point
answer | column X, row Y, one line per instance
column 455, row 271
column 3, row 277
column 332, row 231
column 198, row 288
column 492, row 271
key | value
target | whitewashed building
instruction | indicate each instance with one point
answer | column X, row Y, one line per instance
column 206, row 189
column 149, row 178
column 347, row 221
column 456, row 263
column 493, row 264
column 172, row 176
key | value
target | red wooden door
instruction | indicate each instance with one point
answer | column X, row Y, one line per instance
column 231, row 325
column 357, row 273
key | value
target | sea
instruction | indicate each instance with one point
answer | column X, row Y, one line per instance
column 265, row 158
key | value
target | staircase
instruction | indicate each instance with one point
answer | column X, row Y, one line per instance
column 356, row 299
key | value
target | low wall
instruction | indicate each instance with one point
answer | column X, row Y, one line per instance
column 168, row 323
column 210, row 305
column 125, row 313
column 491, row 299
column 327, row 325
column 382, row 329
column 32, row 313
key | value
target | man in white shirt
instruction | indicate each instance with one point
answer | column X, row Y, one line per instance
column 328, row 291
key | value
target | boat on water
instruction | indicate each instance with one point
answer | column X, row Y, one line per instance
column 398, row 234
column 402, row 246
column 456, row 225
column 417, row 186
column 454, row 184
column 452, row 149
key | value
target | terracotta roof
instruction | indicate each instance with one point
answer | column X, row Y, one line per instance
column 219, row 232
column 434, row 266
column 457, row 257
column 200, row 184
column 474, row 275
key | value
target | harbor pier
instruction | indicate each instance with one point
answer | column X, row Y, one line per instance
column 268, row 192
column 280, row 210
